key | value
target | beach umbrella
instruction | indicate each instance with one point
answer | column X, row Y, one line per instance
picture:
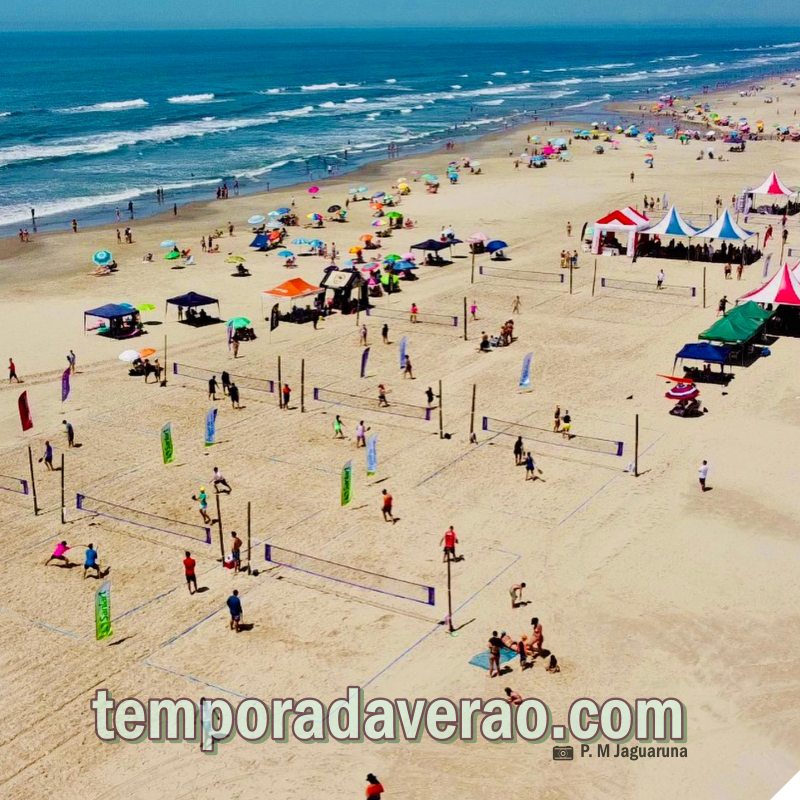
column 428, row 178
column 393, row 215
column 371, row 267
column 313, row 215
column 238, row 322
column 378, row 195
column 145, row 307
column 146, row 352
column 313, row 189
column 281, row 211
column 168, row 243
column 316, row 243
column 285, row 253
column 392, row 257
column 256, row 219
column 366, row 237
column 682, row 391
column 334, row 209
column 128, row 356
column 409, row 256
column 355, row 250
column 495, row 245
column 102, row 257
column 399, row 266
column 378, row 223
column 300, row 240
column 478, row 237
column 231, row 259
column 172, row 255
column 362, row 189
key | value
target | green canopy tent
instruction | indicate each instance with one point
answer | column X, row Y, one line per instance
column 739, row 326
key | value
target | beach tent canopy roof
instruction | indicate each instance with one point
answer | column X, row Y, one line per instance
column 773, row 185
column 673, row 224
column 341, row 278
column 111, row 311
column 260, row 241
column 623, row 219
column 703, row 351
column 431, row 244
column 783, row 288
column 739, row 325
column 292, row 289
column 725, row 228
column 192, row 299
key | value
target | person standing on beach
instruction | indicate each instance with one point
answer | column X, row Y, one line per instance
column 338, row 428
column 70, row 433
column 374, row 786
column 386, row 506
column 233, row 393
column 226, row 382
column 212, row 387
column 723, row 304
column 530, row 467
column 413, row 313
column 382, row 401
column 72, row 360
column 287, row 395
column 660, row 279
column 130, row 208
column 702, row 475
column 739, row 271
column 569, row 228
column 516, row 306
column 59, row 554
column 518, row 451
column 473, row 310
column 557, row 419
column 74, row 224
column 448, row 543
column 363, row 336
column 407, row 369
column 566, row 425
column 385, row 333
column 633, row 176
column 495, row 644
column 235, row 607
column 12, row 371
column 236, row 552
column 189, row 565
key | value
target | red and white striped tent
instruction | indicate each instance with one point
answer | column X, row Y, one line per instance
column 624, row 220
column 783, row 288
column 773, row 185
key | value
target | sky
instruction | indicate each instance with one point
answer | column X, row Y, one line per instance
column 213, row 14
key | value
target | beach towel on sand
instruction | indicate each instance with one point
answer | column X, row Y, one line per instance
column 482, row 659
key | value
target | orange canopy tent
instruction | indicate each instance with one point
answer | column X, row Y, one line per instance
column 293, row 289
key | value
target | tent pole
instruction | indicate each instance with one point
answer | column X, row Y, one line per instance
column 33, row 483
column 636, row 450
column 219, row 523
column 472, row 413
column 249, row 550
column 465, row 319
column 441, row 419
column 594, row 277
column 280, row 385
column 63, row 494
column 166, row 363
column 570, row 276
column 704, row 286
column 472, row 272
column 302, row 385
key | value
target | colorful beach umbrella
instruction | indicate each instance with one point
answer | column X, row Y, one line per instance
column 231, row 259
column 102, row 257
column 393, row 215
column 145, row 307
column 146, row 352
column 313, row 189
column 168, row 243
column 238, row 322
column 283, row 210
column 172, row 255
column 682, row 391
column 256, row 219
column 285, row 253
column 300, row 240
column 129, row 356
column 495, row 245
column 393, row 257
column 378, row 223
column 334, row 209
column 316, row 217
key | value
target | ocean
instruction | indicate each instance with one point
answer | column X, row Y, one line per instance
column 91, row 121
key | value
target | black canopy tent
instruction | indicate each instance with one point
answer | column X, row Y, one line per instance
column 122, row 320
column 192, row 300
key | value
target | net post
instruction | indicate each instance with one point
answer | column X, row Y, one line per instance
column 594, row 277
column 280, row 385
column 33, row 483
column 441, row 418
column 249, row 548
column 449, row 597
column 485, row 424
column 302, row 392
column 694, row 291
column 570, row 276
column 704, row 287
column 24, row 483
column 219, row 523
column 63, row 498
column 465, row 319
column 164, row 380
column 472, row 270
column 636, row 449
column 472, row 412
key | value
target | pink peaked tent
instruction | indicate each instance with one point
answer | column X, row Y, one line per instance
column 783, row 288
column 625, row 220
column 773, row 185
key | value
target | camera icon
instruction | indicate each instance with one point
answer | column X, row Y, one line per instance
column 563, row 753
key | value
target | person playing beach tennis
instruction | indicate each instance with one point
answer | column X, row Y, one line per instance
column 212, row 387
column 233, row 393
column 90, row 561
column 70, row 433
column 385, row 333
column 48, row 456
column 660, row 279
column 189, row 565
column 519, row 450
column 59, row 554
column 413, row 314
column 226, row 382
column 449, row 540
column 12, row 371
column 566, row 425
column 338, row 429
column 218, row 479
column 202, row 501
column 235, row 607
column 386, row 506
column 382, row 401
column 407, row 369
column 530, row 467
column 287, row 395
column 361, row 434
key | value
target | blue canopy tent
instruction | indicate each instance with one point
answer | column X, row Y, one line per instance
column 192, row 300
column 122, row 320
column 260, row 242
column 704, row 351
column 431, row 245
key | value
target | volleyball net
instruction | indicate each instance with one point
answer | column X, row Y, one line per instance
column 645, row 286
column 451, row 320
column 242, row 381
column 142, row 519
column 350, row 576
column 8, row 483
column 522, row 274
column 371, row 404
column 592, row 444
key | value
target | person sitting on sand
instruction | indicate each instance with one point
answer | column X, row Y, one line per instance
column 484, row 347
column 514, row 698
column 552, row 666
column 508, row 641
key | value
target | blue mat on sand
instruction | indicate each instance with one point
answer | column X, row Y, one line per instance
column 482, row 659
